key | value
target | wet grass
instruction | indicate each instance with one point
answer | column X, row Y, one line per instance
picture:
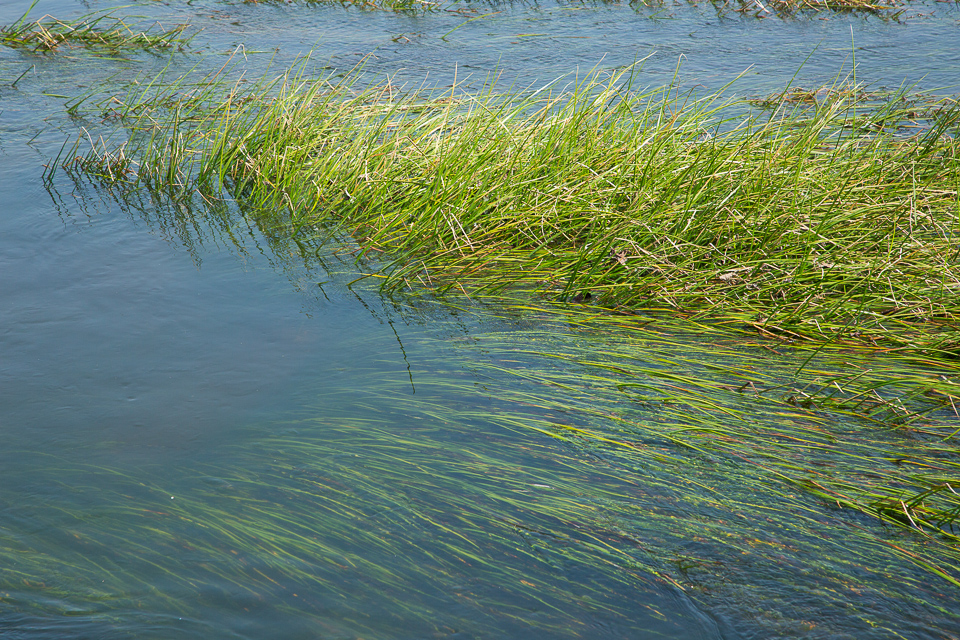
column 832, row 222
column 696, row 465
column 101, row 31
column 909, row 106
column 861, row 434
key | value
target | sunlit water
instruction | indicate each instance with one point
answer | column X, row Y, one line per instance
column 209, row 433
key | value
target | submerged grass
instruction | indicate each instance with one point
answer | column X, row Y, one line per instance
column 868, row 435
column 827, row 222
column 418, row 508
column 831, row 222
column 100, row 31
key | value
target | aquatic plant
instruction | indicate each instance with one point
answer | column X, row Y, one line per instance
column 814, row 438
column 835, row 222
column 864, row 430
column 100, row 30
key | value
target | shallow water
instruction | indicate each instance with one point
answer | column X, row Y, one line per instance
column 200, row 441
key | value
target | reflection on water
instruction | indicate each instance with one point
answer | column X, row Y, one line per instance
column 211, row 429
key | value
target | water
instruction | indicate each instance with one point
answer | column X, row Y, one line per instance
column 200, row 441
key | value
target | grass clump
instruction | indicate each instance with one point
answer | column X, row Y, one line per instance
column 865, row 434
column 829, row 222
column 99, row 30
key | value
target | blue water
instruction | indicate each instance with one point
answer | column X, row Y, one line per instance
column 208, row 433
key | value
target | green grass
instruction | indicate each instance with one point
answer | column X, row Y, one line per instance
column 517, row 195
column 865, row 430
column 829, row 223
column 835, row 222
column 98, row 31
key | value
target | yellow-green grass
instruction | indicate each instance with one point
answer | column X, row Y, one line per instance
column 832, row 222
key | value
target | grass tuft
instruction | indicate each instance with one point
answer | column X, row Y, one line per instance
column 835, row 221
column 99, row 30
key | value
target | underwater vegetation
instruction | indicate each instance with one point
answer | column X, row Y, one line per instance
column 785, row 9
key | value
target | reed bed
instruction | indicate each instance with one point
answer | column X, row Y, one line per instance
column 99, row 31
column 834, row 222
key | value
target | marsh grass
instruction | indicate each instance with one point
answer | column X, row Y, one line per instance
column 99, row 31
column 909, row 106
column 835, row 221
column 862, row 434
column 783, row 223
